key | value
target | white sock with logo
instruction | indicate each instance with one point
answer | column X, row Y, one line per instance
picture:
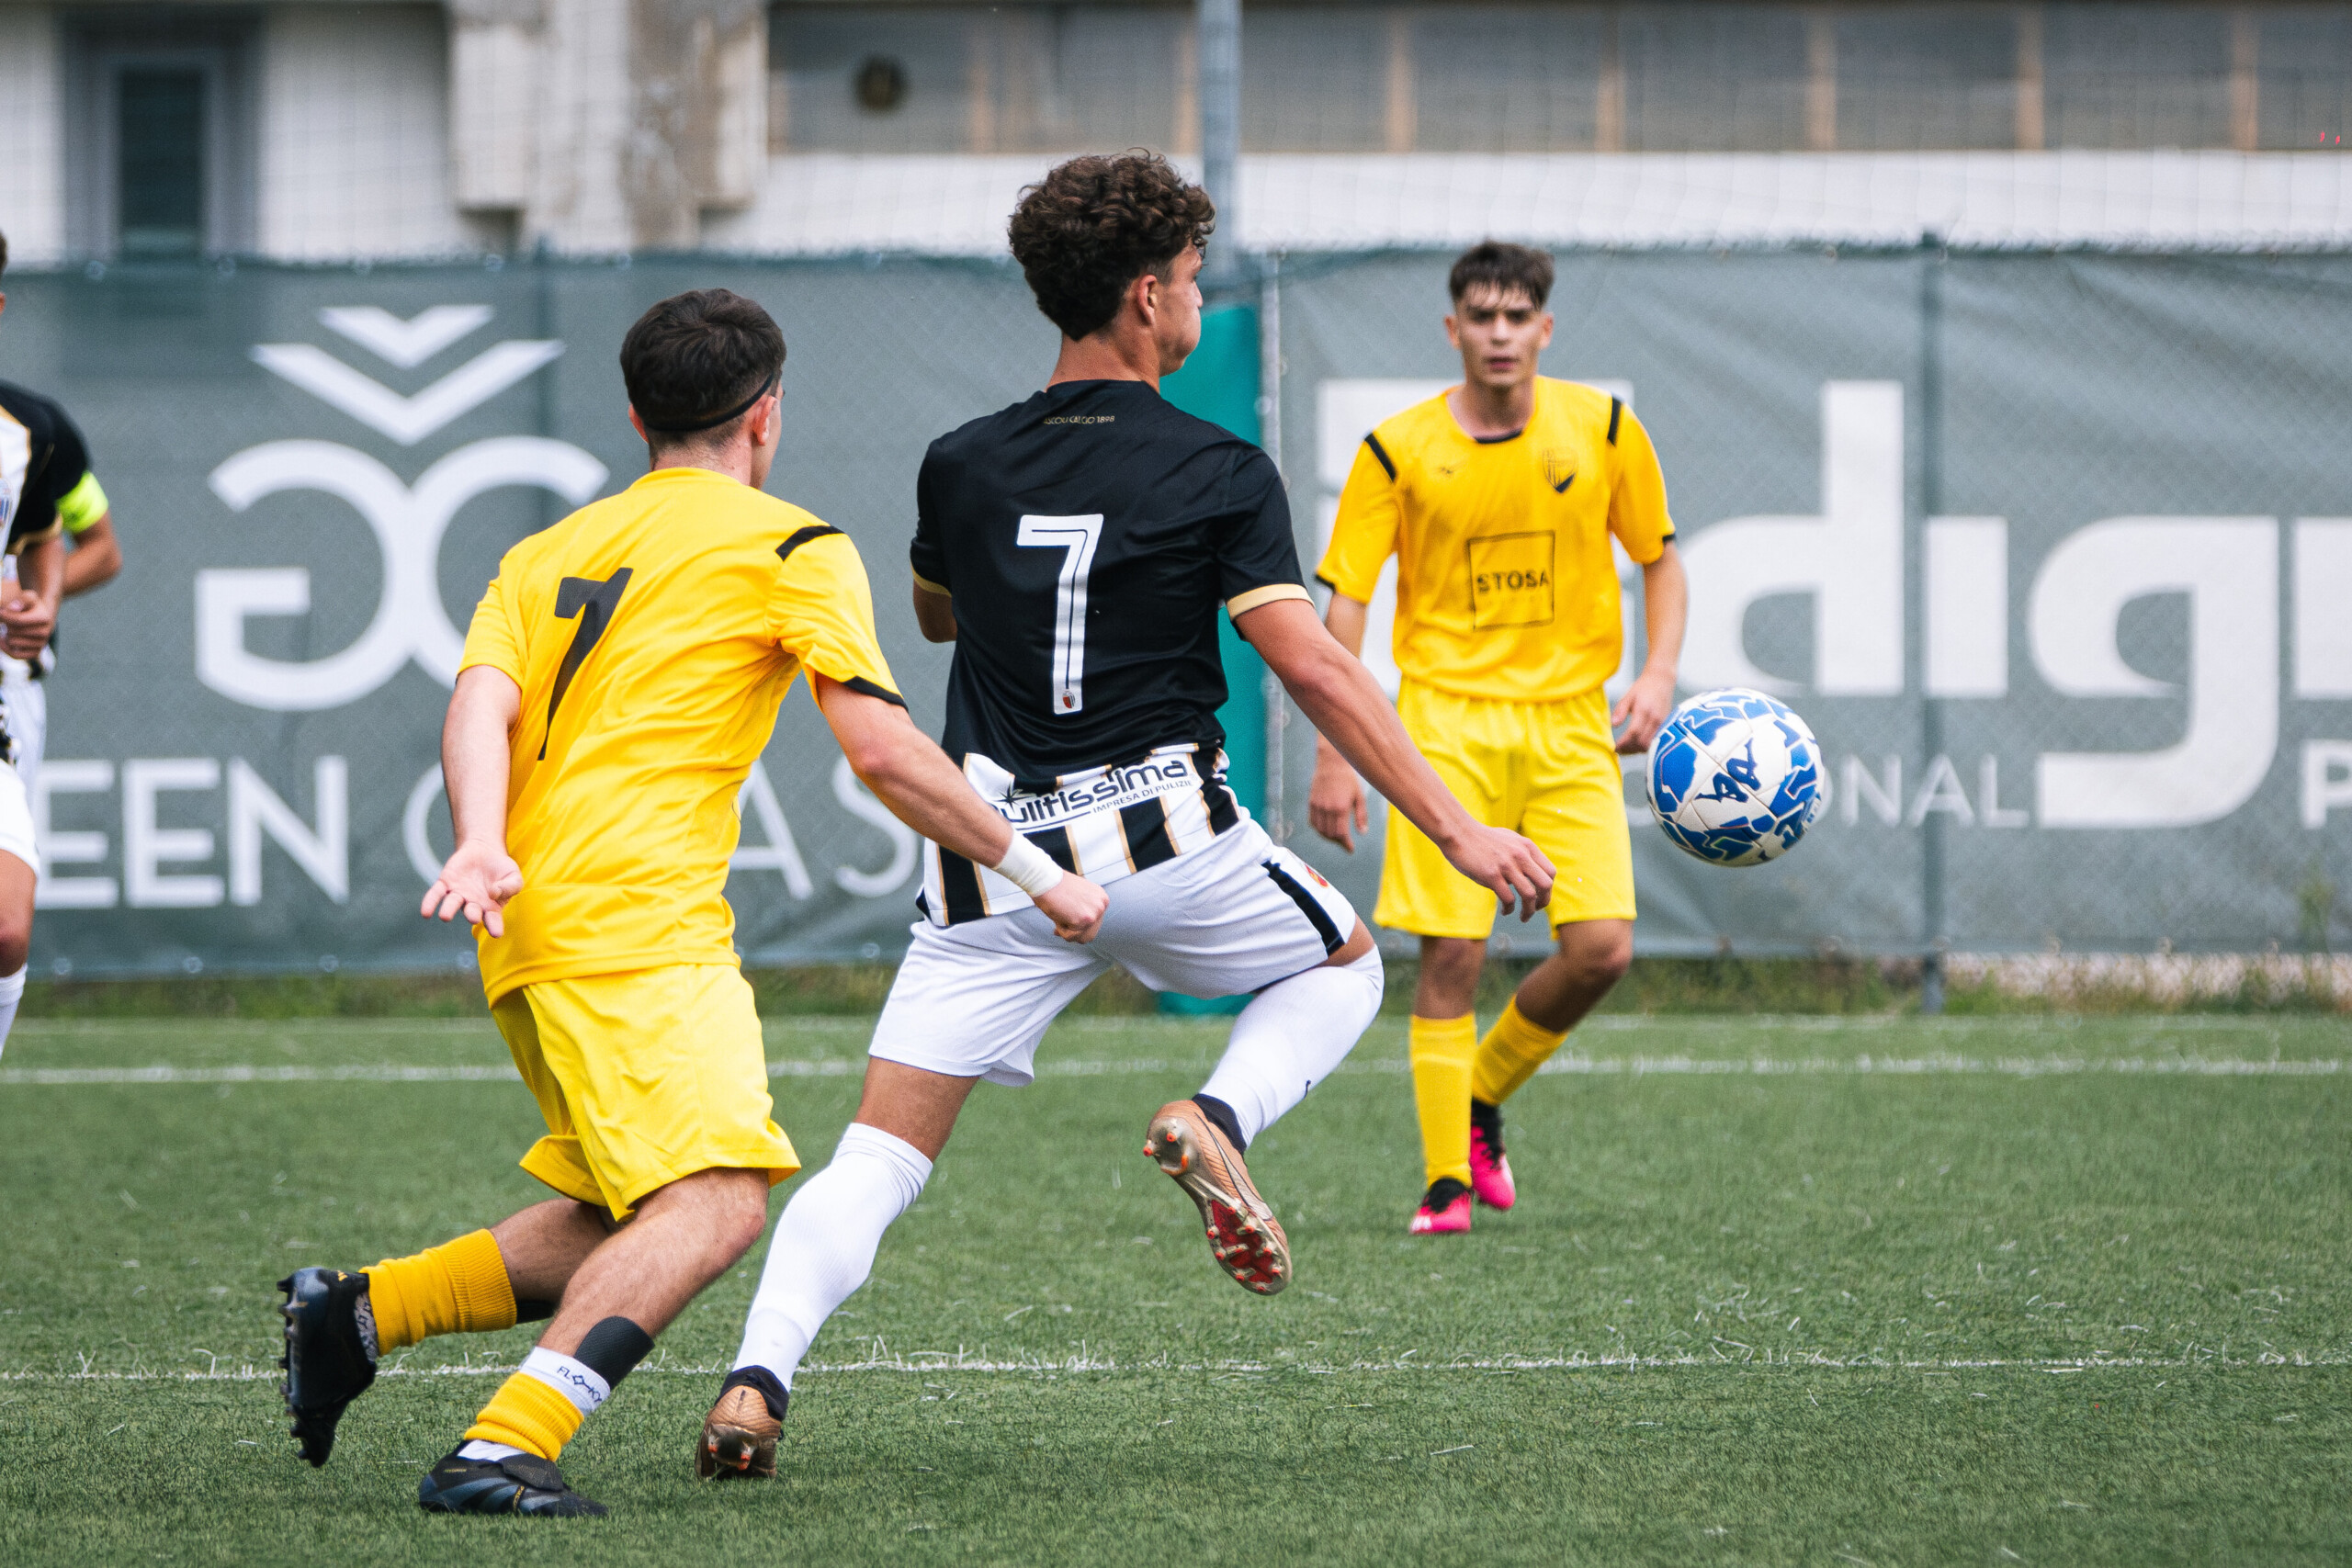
column 12, row 992
column 824, row 1244
column 567, row 1377
column 1289, row 1038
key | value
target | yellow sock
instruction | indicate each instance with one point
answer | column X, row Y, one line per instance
column 459, row 1287
column 1509, row 1055
column 1442, row 1051
column 529, row 1414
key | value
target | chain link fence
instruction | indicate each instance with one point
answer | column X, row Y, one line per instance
column 2132, row 740
column 2065, row 622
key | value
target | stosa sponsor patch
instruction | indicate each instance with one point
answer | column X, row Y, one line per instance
column 1510, row 579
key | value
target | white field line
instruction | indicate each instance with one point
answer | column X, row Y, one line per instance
column 1601, row 1023
column 1940, row 1065
column 932, row 1362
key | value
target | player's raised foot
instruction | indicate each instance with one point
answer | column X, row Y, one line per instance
column 1491, row 1180
column 519, row 1483
column 739, row 1435
column 1243, row 1233
column 1445, row 1210
column 329, row 1361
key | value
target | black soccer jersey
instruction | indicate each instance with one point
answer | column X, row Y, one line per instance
column 42, row 459
column 1089, row 537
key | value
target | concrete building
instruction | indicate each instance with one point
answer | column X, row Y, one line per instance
column 346, row 130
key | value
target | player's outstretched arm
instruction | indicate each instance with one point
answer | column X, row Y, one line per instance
column 1665, row 607
column 480, row 876
column 908, row 772
column 1343, row 702
column 1334, row 803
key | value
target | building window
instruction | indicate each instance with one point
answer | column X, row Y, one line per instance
column 160, row 154
column 159, row 157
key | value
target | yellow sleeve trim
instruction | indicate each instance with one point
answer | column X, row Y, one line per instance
column 1272, row 594
column 82, row 506
column 928, row 586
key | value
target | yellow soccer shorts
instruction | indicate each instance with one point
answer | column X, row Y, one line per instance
column 1548, row 770
column 643, row 1077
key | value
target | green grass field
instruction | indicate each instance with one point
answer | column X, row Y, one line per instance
column 1804, row 1290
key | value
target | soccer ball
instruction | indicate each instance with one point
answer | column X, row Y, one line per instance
column 1735, row 777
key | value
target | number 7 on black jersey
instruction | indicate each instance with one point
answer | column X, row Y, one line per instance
column 1077, row 536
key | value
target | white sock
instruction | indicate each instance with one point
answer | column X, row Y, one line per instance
column 1291, row 1036
column 824, row 1244
column 576, row 1381
column 482, row 1448
column 12, row 991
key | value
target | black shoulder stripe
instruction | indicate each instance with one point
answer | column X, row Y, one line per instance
column 1616, row 411
column 866, row 688
column 818, row 530
column 1389, row 462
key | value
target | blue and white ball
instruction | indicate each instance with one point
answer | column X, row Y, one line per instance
column 1735, row 777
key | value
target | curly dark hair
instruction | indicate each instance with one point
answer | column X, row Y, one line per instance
column 699, row 360
column 1511, row 269
column 1095, row 224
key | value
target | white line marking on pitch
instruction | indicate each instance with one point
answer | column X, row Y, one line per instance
column 934, row 1363
column 1864, row 1065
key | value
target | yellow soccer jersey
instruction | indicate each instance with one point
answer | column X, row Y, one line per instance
column 655, row 635
column 1505, row 585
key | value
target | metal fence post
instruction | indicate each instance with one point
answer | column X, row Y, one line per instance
column 1935, row 934
column 1220, row 55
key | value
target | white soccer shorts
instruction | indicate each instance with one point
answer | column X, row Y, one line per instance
column 27, row 702
column 973, row 999
column 17, row 818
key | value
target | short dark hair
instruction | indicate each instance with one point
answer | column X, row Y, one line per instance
column 4, row 253
column 1095, row 224
column 1512, row 269
column 699, row 360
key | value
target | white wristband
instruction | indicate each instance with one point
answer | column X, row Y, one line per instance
column 1029, row 868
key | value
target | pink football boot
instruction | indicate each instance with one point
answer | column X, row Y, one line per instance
column 1445, row 1210
column 1489, row 1168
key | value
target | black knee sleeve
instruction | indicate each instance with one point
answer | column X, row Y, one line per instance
column 612, row 1349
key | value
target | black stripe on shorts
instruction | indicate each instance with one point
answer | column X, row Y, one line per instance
column 1308, row 906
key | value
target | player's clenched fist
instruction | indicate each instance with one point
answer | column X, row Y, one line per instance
column 1506, row 863
column 478, row 880
column 1076, row 907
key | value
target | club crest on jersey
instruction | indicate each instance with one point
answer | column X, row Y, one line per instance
column 1559, row 471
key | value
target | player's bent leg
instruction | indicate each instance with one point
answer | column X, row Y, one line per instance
column 1592, row 957
column 18, row 859
column 680, row 1238
column 1293, row 1034
column 339, row 1322
column 823, row 1251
